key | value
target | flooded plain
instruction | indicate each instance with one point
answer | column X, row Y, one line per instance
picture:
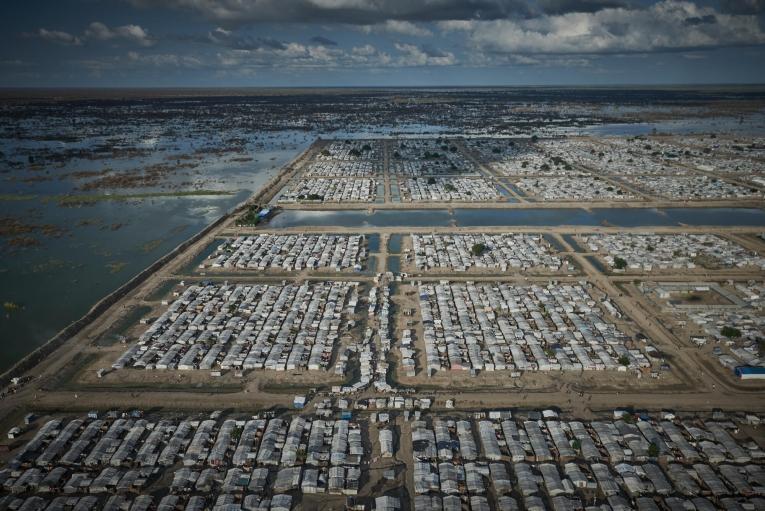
column 93, row 191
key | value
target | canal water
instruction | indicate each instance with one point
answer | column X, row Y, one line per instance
column 550, row 217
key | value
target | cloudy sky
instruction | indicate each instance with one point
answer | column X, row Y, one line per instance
column 379, row 42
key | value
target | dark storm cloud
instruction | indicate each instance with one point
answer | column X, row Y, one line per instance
column 358, row 12
column 701, row 20
column 565, row 6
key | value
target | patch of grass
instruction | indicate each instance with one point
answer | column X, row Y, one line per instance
column 122, row 325
column 162, row 290
column 150, row 246
column 116, row 266
column 63, row 378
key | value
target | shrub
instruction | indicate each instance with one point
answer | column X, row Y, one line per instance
column 478, row 249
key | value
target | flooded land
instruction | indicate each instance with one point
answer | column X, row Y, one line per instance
column 428, row 299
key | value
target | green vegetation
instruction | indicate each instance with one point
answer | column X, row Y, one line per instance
column 11, row 306
column 431, row 180
column 88, row 200
column 478, row 249
column 730, row 332
column 619, row 263
column 653, row 450
column 449, row 187
column 122, row 325
column 311, row 196
column 116, row 266
column 150, row 246
column 325, row 153
column 576, row 445
column 250, row 217
column 624, row 360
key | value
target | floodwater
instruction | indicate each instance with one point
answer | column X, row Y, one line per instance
column 101, row 246
column 394, row 243
column 620, row 217
column 753, row 124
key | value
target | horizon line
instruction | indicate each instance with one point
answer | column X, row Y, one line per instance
column 433, row 86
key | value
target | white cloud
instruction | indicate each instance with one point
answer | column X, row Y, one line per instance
column 667, row 25
column 412, row 55
column 165, row 60
column 59, row 37
column 365, row 50
column 97, row 31
column 300, row 56
column 342, row 4
column 397, row 27
column 133, row 33
column 358, row 12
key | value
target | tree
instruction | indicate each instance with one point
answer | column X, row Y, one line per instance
column 619, row 263
column 653, row 450
column 624, row 360
column 478, row 249
column 431, row 180
column 730, row 332
column 576, row 444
